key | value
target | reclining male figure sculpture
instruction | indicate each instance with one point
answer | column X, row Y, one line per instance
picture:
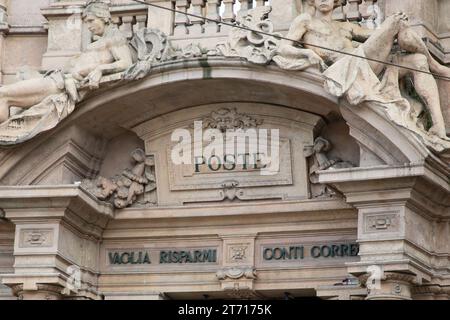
column 321, row 30
column 109, row 54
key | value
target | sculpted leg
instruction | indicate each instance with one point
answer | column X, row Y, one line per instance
column 25, row 94
column 379, row 44
column 411, row 42
column 427, row 88
column 4, row 107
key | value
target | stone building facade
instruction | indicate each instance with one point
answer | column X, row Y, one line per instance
column 93, row 205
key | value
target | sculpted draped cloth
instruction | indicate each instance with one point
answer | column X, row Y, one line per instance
column 353, row 78
column 39, row 118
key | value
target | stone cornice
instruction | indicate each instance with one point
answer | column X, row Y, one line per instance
column 69, row 203
column 431, row 289
column 257, row 208
column 410, row 184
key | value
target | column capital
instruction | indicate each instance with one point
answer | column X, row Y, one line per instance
column 43, row 292
column 58, row 231
column 388, row 285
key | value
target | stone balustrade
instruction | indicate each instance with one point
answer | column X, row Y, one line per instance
column 357, row 10
column 220, row 10
column 130, row 20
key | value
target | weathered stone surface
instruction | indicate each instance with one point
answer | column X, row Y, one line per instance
column 358, row 208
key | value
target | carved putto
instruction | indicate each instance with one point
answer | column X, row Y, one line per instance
column 125, row 189
column 320, row 160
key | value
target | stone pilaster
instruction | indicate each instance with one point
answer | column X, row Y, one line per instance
column 402, row 237
column 57, row 241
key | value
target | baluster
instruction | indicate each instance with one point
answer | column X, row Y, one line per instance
column 353, row 9
column 228, row 14
column 141, row 22
column 116, row 20
column 339, row 14
column 260, row 3
column 246, row 5
column 197, row 23
column 212, row 9
column 181, row 20
column 126, row 27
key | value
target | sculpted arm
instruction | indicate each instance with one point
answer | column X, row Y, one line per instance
column 359, row 33
column 288, row 48
column 122, row 55
column 123, row 60
column 296, row 32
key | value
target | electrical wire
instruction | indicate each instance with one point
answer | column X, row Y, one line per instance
column 299, row 42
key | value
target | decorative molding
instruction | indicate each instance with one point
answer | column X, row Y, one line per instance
column 387, row 222
column 236, row 273
column 238, row 253
column 54, row 290
column 431, row 289
column 230, row 119
column 230, row 190
column 390, row 276
column 241, row 293
column 30, row 238
column 255, row 48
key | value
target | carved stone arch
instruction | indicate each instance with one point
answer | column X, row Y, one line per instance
column 68, row 156
column 381, row 141
column 178, row 85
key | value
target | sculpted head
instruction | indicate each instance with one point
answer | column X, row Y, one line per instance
column 326, row 5
column 97, row 17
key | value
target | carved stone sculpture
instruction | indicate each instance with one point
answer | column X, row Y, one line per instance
column 151, row 46
column 236, row 273
column 123, row 190
column 255, row 47
column 322, row 161
column 230, row 119
column 356, row 78
column 48, row 99
column 319, row 160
